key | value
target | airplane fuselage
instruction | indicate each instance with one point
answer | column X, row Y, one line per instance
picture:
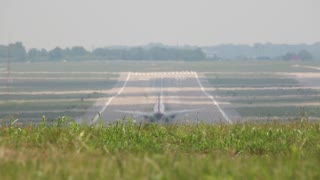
column 159, row 107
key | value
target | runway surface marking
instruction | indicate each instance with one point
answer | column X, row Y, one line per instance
column 213, row 100
column 110, row 99
column 310, row 67
column 162, row 73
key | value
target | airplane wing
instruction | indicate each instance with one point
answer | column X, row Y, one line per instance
column 174, row 113
column 136, row 113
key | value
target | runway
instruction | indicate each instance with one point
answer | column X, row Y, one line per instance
column 180, row 91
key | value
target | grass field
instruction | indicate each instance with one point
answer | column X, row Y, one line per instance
column 66, row 150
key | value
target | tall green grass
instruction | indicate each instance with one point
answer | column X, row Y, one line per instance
column 126, row 150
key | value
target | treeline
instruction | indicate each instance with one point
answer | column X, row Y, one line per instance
column 17, row 52
column 268, row 51
column 265, row 51
column 14, row 52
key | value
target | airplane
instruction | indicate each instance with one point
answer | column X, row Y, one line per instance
column 159, row 111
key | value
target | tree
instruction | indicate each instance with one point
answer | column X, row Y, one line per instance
column 34, row 54
column 44, row 53
column 3, row 52
column 289, row 56
column 17, row 51
column 56, row 54
column 37, row 55
column 99, row 52
column 78, row 51
column 305, row 55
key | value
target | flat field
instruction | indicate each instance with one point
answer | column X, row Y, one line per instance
column 247, row 90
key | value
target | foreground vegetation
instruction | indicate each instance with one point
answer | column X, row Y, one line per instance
column 67, row 150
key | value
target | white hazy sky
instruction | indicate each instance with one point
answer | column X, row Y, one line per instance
column 96, row 23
